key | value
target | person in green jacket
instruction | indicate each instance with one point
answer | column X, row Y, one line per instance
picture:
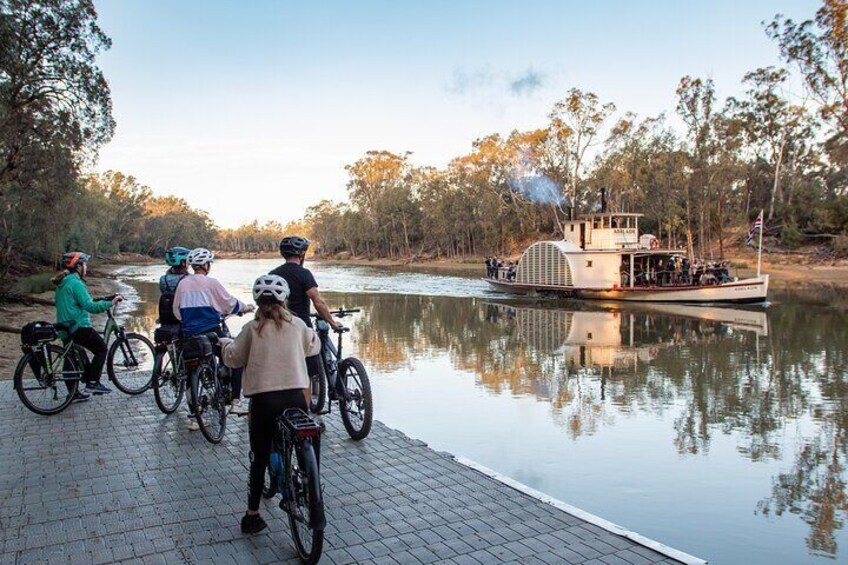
column 73, row 306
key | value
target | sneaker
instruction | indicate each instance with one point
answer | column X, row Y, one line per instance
column 237, row 409
column 97, row 388
column 192, row 425
column 80, row 397
column 252, row 524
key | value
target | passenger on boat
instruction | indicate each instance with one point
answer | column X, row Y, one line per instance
column 510, row 271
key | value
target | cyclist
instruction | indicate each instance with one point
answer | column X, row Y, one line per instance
column 304, row 290
column 73, row 306
column 176, row 259
column 200, row 302
column 271, row 348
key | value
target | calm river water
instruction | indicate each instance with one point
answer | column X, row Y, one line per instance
column 722, row 432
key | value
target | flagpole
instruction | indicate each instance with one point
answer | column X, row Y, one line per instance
column 760, row 251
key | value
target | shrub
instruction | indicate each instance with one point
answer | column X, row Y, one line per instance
column 790, row 237
column 35, row 284
column 840, row 245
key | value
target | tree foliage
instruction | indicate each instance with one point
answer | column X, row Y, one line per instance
column 699, row 187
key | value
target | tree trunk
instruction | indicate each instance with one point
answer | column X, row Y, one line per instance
column 776, row 185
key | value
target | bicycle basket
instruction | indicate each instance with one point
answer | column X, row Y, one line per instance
column 166, row 334
column 197, row 347
column 37, row 332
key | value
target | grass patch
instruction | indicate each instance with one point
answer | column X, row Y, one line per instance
column 35, row 284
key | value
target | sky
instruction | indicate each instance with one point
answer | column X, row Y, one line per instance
column 251, row 109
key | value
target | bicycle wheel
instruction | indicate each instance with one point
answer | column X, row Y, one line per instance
column 318, row 385
column 356, row 407
column 168, row 387
column 210, row 406
column 47, row 384
column 306, row 506
column 130, row 363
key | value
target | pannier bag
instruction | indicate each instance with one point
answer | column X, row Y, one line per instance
column 37, row 332
column 166, row 334
column 197, row 347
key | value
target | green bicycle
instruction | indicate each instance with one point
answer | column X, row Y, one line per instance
column 45, row 365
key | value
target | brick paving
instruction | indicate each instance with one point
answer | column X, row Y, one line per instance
column 115, row 480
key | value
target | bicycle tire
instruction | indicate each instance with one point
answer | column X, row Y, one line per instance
column 356, row 422
column 306, row 514
column 209, row 400
column 31, row 359
column 164, row 380
column 318, row 387
column 140, row 363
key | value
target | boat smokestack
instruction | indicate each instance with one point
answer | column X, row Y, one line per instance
column 603, row 199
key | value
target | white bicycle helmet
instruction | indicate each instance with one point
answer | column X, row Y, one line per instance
column 199, row 257
column 271, row 286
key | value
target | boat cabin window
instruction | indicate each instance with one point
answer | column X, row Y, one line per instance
column 596, row 223
column 588, row 263
column 572, row 227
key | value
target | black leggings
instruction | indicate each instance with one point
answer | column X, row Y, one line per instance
column 264, row 409
column 89, row 339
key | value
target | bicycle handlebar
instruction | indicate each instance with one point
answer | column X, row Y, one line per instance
column 340, row 313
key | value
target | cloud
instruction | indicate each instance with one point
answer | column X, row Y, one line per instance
column 482, row 81
column 464, row 82
column 527, row 83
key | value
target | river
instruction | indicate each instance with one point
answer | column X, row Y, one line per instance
column 722, row 432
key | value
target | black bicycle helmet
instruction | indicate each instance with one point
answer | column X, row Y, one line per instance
column 293, row 245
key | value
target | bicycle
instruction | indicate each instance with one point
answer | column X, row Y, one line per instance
column 169, row 371
column 45, row 364
column 295, row 474
column 209, row 383
column 129, row 362
column 343, row 380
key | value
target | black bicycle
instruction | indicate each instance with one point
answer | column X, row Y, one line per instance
column 45, row 365
column 343, row 380
column 169, row 371
column 294, row 471
column 209, row 383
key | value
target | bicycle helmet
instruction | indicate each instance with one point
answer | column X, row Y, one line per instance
column 199, row 257
column 176, row 255
column 74, row 258
column 292, row 245
column 270, row 288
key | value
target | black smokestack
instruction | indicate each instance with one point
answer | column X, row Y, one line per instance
column 603, row 199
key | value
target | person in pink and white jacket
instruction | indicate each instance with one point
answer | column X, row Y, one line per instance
column 200, row 303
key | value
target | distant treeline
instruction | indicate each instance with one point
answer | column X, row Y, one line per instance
column 55, row 115
column 699, row 188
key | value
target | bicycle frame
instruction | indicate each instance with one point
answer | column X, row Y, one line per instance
column 294, row 431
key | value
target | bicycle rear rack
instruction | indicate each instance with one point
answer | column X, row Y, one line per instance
column 298, row 424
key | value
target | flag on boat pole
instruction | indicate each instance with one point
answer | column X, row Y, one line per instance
column 758, row 224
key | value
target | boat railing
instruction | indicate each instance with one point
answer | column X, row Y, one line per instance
column 668, row 277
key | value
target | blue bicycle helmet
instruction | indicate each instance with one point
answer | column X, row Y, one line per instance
column 176, row 255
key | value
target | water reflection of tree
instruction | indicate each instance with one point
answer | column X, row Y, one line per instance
column 726, row 380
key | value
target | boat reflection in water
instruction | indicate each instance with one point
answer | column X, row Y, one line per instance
column 616, row 339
